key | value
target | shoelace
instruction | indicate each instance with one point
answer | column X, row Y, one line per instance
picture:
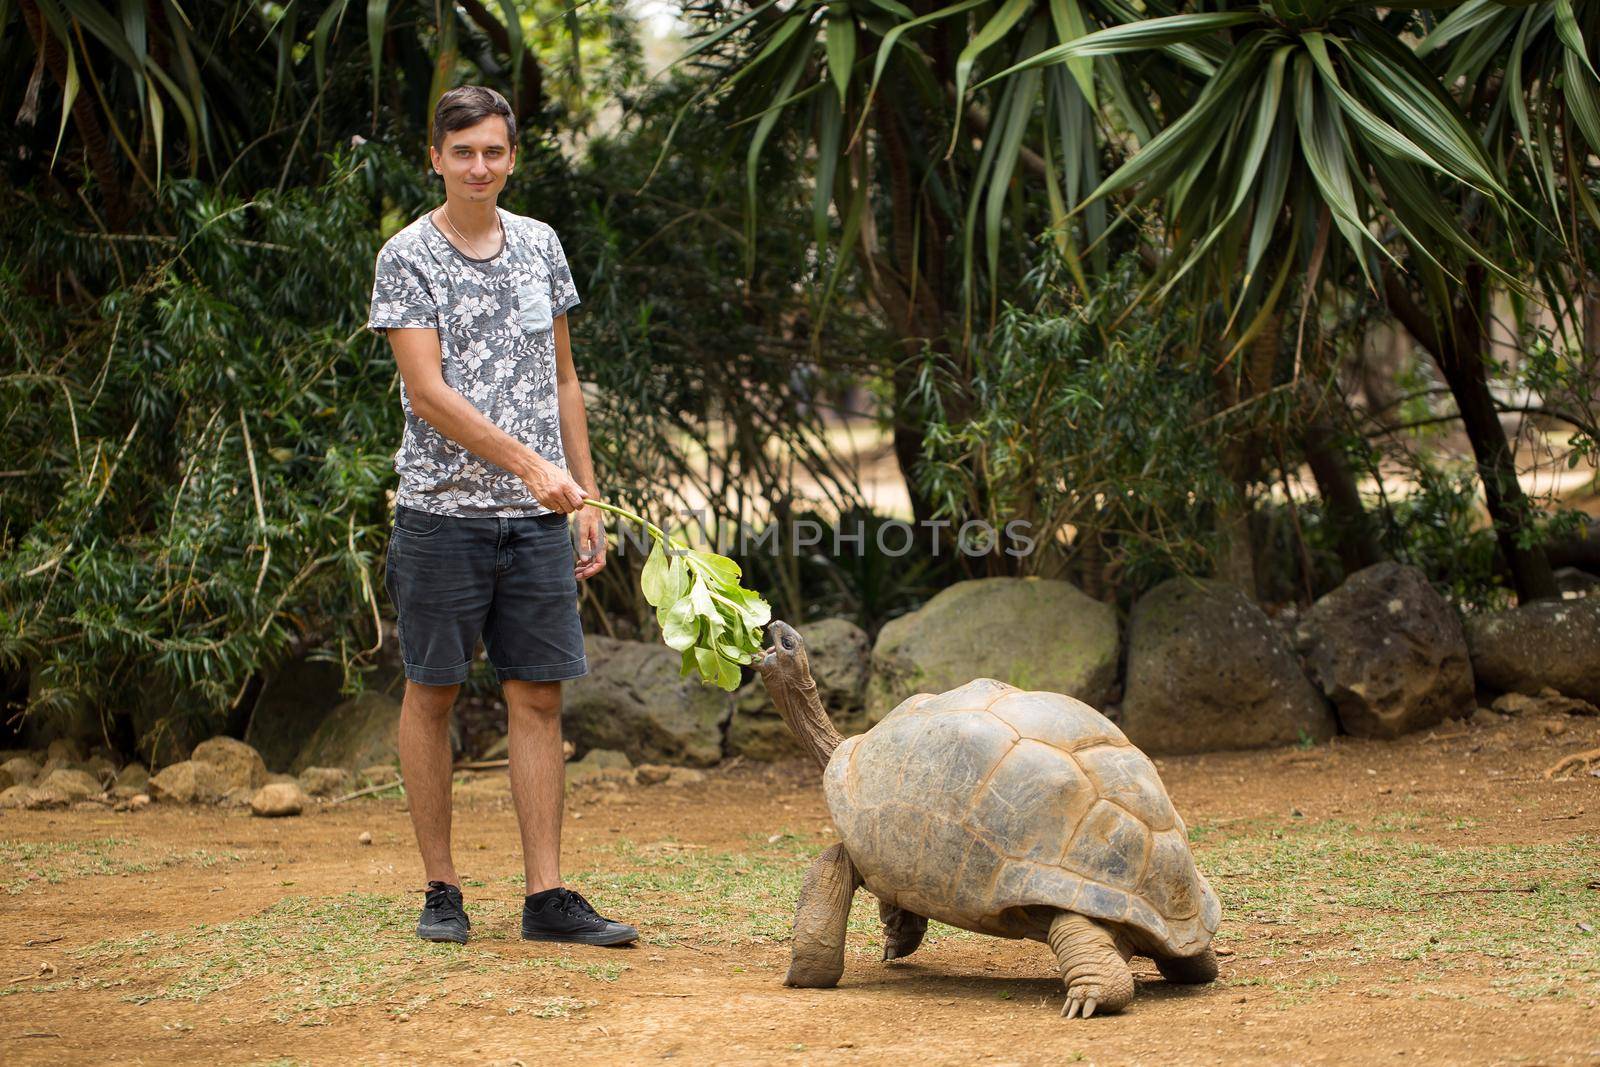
column 574, row 905
column 445, row 898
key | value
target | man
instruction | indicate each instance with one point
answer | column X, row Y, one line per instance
column 494, row 458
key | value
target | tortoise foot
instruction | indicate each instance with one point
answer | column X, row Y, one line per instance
column 902, row 931
column 1093, row 967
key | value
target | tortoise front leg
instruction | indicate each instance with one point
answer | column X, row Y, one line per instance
column 1093, row 967
column 902, row 931
column 820, row 920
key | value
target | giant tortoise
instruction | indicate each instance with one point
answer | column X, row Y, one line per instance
column 1012, row 813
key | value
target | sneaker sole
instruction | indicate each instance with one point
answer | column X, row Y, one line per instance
column 584, row 939
column 439, row 935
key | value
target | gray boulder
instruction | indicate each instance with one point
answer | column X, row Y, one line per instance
column 364, row 730
column 1388, row 650
column 189, row 782
column 1035, row 633
column 238, row 765
column 1553, row 644
column 634, row 700
column 1207, row 671
column 302, row 692
column 840, row 656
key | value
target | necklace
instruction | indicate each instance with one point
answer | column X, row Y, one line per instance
column 499, row 227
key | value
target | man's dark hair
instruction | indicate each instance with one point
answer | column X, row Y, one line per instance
column 468, row 105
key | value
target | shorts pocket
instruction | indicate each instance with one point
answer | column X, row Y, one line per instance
column 416, row 523
column 533, row 305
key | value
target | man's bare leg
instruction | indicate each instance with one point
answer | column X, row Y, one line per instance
column 425, row 766
column 538, row 776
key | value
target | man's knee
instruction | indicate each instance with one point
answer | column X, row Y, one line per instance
column 533, row 700
column 430, row 701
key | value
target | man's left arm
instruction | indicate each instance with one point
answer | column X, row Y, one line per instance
column 575, row 442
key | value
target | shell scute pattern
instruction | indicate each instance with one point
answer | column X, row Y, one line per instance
column 975, row 805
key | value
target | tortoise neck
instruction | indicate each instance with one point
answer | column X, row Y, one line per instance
column 802, row 710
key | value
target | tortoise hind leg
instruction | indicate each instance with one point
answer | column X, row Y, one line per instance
column 1094, row 970
column 820, row 921
column 902, row 931
column 1188, row 970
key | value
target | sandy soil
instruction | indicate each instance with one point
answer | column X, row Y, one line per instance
column 1433, row 900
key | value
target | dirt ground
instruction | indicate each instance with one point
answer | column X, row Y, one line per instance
column 1433, row 900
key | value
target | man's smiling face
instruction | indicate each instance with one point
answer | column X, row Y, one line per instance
column 475, row 160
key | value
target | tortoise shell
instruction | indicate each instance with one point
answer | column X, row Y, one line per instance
column 976, row 805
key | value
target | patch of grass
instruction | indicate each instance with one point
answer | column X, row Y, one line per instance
column 305, row 957
column 1522, row 908
column 678, row 892
column 24, row 864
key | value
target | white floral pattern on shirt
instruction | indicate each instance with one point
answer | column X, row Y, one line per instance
column 497, row 349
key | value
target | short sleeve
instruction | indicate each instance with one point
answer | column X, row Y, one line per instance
column 563, row 294
column 401, row 295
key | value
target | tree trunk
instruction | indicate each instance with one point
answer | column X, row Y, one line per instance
column 1459, row 354
column 1358, row 545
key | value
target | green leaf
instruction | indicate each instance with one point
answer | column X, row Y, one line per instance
column 841, row 48
column 1320, row 136
column 1142, row 36
column 654, row 580
column 680, row 627
column 997, row 27
column 1571, row 36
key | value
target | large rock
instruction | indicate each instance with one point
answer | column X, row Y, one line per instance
column 19, row 770
column 325, row 781
column 1207, row 671
column 633, row 700
column 363, row 730
column 64, row 787
column 840, row 656
column 303, row 691
column 598, row 765
column 189, row 782
column 1035, row 633
column 19, row 796
column 131, row 781
column 1389, row 652
column 1547, row 643
column 238, row 765
column 278, row 800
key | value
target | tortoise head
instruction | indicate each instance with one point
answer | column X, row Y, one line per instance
column 785, row 663
column 786, row 672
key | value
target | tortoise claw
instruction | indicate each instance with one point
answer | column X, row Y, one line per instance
column 1088, row 1008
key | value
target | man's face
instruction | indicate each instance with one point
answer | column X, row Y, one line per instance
column 475, row 161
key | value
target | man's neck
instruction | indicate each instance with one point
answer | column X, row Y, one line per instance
column 475, row 220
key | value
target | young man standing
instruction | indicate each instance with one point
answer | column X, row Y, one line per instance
column 494, row 458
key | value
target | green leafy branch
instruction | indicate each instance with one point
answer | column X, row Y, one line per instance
column 703, row 612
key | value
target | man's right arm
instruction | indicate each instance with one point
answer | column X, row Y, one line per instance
column 417, row 353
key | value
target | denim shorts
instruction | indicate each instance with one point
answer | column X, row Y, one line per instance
column 508, row 580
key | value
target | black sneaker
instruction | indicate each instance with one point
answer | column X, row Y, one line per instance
column 561, row 915
column 443, row 916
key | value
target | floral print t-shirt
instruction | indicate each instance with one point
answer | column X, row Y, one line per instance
column 496, row 323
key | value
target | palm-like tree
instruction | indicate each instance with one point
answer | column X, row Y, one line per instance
column 239, row 89
column 1282, row 146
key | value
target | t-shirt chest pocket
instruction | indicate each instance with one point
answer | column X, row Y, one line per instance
column 533, row 304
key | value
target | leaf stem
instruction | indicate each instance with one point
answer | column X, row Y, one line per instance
column 655, row 531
